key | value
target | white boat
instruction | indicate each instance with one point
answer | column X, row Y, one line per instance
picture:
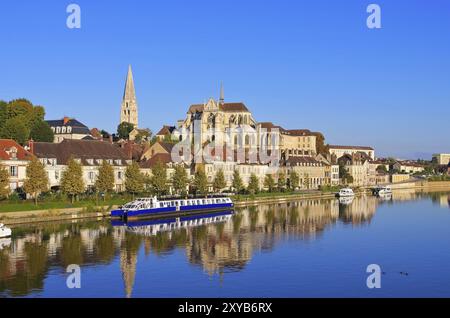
column 383, row 190
column 345, row 192
column 144, row 207
column 4, row 231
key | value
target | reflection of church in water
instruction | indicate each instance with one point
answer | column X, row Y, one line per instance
column 218, row 247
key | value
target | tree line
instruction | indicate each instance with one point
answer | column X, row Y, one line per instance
column 21, row 121
column 136, row 182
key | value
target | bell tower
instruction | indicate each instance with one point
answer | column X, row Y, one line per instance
column 129, row 108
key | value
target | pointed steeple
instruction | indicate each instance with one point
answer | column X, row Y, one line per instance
column 222, row 95
column 129, row 92
column 129, row 111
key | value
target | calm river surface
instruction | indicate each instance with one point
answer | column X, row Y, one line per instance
column 308, row 248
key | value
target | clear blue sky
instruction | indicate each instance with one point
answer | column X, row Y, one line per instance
column 301, row 64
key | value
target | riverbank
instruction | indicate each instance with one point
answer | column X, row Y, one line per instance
column 103, row 211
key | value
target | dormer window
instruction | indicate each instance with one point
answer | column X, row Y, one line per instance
column 69, row 129
column 90, row 161
column 118, row 162
column 63, row 130
column 99, row 161
column 58, row 130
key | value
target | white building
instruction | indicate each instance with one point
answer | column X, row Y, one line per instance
column 89, row 153
column 15, row 159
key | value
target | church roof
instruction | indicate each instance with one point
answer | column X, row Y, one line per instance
column 129, row 92
column 225, row 107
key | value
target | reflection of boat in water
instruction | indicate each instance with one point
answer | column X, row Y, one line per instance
column 385, row 196
column 5, row 242
column 4, row 231
column 346, row 200
column 145, row 207
column 153, row 227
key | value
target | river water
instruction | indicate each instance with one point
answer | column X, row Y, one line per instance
column 309, row 248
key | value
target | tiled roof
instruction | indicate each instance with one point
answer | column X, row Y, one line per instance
column 165, row 130
column 6, row 146
column 77, row 127
column 350, row 147
column 294, row 161
column 160, row 157
column 80, row 149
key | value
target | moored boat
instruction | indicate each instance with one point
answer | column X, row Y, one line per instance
column 145, row 207
column 345, row 192
column 383, row 190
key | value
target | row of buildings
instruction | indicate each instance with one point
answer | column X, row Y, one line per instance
column 225, row 136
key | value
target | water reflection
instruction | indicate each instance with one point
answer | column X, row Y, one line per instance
column 218, row 243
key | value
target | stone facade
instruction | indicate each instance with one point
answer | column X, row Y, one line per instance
column 14, row 158
column 129, row 108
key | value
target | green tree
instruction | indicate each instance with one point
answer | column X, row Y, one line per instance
column 21, row 108
column 105, row 179
column 72, row 179
column 37, row 179
column 321, row 147
column 3, row 113
column 344, row 175
column 41, row 132
column 15, row 129
column 382, row 169
column 294, row 180
column 143, row 135
column 200, row 181
column 237, row 184
column 219, row 181
column 180, row 179
column 253, row 185
column 282, row 181
column 306, row 181
column 4, row 182
column 269, row 182
column 124, row 129
column 158, row 180
column 134, row 179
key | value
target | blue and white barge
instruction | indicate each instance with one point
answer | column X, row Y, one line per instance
column 147, row 207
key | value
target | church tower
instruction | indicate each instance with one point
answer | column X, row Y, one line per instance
column 129, row 110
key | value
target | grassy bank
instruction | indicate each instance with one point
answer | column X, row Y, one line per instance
column 89, row 205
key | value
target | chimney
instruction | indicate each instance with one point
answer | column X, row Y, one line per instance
column 66, row 119
column 110, row 139
column 31, row 146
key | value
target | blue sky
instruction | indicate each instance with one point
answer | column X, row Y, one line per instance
column 301, row 64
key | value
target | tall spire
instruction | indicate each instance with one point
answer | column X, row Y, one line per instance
column 129, row 111
column 129, row 92
column 222, row 95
